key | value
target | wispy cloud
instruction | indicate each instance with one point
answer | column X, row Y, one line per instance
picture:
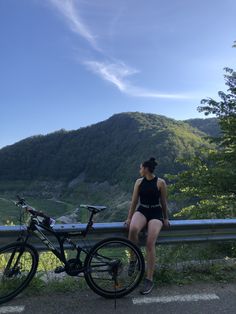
column 116, row 72
column 68, row 10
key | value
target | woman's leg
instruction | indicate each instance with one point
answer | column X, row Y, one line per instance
column 154, row 228
column 137, row 223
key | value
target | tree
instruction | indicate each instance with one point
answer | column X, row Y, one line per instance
column 208, row 184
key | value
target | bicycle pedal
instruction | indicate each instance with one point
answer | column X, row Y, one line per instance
column 59, row 269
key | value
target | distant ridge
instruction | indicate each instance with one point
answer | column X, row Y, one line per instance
column 110, row 150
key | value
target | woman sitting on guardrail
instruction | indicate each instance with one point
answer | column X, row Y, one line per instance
column 152, row 212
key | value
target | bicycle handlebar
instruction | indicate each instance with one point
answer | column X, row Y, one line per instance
column 21, row 202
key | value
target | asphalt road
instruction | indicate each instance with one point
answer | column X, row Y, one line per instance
column 194, row 299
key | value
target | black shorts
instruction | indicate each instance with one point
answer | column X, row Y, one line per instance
column 152, row 213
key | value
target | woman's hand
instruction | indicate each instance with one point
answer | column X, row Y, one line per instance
column 127, row 222
column 166, row 223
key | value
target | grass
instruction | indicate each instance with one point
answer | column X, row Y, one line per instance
column 166, row 272
column 42, row 194
column 9, row 212
column 162, row 277
column 68, row 284
column 209, row 274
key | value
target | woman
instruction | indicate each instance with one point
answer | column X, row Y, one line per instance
column 151, row 212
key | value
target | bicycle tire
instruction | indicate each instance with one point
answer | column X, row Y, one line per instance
column 35, row 258
column 98, row 290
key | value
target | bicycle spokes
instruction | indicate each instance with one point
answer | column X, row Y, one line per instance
column 109, row 265
column 15, row 266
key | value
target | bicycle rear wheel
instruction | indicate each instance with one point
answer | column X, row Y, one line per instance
column 18, row 264
column 107, row 267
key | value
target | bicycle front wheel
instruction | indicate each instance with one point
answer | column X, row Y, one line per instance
column 18, row 264
column 108, row 271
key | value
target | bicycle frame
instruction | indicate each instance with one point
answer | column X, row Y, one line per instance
column 95, row 262
column 35, row 227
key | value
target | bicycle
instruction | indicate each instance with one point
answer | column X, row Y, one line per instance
column 105, row 267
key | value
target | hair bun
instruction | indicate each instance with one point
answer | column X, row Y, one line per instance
column 150, row 164
column 153, row 160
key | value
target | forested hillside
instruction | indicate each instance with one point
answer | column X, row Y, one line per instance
column 98, row 163
column 110, row 150
column 209, row 125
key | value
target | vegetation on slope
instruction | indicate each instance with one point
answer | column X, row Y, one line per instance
column 95, row 164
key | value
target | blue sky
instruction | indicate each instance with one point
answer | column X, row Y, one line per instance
column 68, row 64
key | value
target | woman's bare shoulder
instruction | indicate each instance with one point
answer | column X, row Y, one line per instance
column 138, row 181
column 161, row 182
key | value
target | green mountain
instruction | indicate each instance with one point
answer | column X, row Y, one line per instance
column 210, row 126
column 94, row 164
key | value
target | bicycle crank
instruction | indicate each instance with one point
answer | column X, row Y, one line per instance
column 73, row 267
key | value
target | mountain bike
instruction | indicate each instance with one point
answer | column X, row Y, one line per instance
column 105, row 268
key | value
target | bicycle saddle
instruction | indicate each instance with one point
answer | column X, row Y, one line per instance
column 93, row 208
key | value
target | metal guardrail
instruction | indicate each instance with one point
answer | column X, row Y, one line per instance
column 180, row 231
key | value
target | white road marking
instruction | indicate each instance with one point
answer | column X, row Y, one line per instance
column 176, row 298
column 11, row 309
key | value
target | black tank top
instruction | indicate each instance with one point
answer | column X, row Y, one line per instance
column 149, row 192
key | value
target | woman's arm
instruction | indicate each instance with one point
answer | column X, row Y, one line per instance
column 163, row 199
column 134, row 200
